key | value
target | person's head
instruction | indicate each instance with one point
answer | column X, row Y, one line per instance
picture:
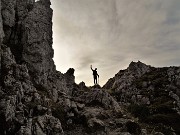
column 95, row 68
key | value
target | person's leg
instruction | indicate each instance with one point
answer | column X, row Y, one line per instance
column 95, row 80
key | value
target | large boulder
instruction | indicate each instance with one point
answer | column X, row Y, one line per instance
column 98, row 96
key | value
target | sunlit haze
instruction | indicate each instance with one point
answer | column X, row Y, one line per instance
column 109, row 34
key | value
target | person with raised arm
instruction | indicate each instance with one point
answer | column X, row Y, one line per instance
column 95, row 75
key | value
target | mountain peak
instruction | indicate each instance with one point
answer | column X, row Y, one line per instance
column 134, row 66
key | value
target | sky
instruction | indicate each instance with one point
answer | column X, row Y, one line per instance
column 109, row 34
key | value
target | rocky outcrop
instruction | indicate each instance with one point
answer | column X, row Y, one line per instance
column 37, row 42
column 42, row 125
column 125, row 78
column 21, row 101
column 148, row 93
column 1, row 38
column 98, row 96
column 29, row 84
column 122, row 83
column 28, row 32
column 1, row 25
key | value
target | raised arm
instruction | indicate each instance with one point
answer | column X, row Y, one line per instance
column 91, row 68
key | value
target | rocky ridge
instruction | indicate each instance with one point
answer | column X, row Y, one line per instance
column 150, row 94
column 35, row 99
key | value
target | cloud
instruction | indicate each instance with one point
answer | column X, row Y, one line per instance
column 111, row 34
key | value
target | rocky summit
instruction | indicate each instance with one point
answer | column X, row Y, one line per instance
column 36, row 99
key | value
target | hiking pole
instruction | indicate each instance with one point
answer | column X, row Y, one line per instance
column 98, row 79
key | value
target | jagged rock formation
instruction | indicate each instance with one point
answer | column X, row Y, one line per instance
column 151, row 94
column 29, row 81
column 122, row 82
column 35, row 99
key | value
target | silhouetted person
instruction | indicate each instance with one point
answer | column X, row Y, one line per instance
column 95, row 75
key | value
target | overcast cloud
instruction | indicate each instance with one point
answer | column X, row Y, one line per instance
column 109, row 34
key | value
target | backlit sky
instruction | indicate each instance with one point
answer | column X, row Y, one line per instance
column 109, row 34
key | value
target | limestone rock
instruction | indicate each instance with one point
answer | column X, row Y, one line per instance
column 70, row 80
column 8, row 12
column 95, row 124
column 125, row 78
column 38, row 34
column 1, row 25
column 101, row 97
column 83, row 86
column 50, row 124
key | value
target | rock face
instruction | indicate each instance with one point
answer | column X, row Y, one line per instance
column 151, row 94
column 1, row 35
column 29, row 83
column 1, row 25
column 35, row 99
column 37, row 42
column 125, row 77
